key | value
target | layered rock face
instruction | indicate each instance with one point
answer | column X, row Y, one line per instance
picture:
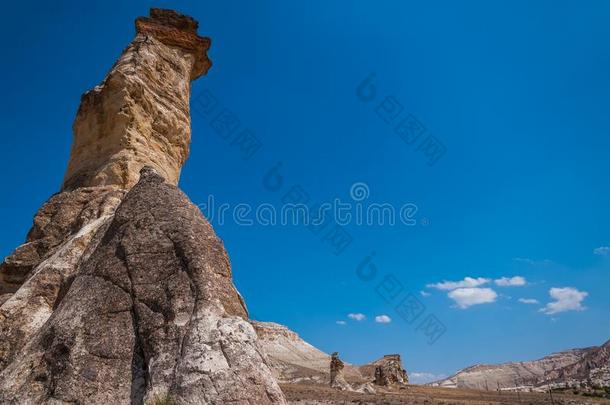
column 292, row 358
column 122, row 292
column 58, row 220
column 139, row 115
column 563, row 368
column 592, row 369
column 389, row 371
column 63, row 230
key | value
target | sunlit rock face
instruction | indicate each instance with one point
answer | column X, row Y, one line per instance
column 524, row 375
column 139, row 115
column 122, row 292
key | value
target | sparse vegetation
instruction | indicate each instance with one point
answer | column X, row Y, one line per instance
column 162, row 400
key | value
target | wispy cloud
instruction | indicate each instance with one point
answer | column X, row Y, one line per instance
column 467, row 297
column 533, row 262
column 424, row 378
column 602, row 251
column 341, row 323
column 357, row 317
column 383, row 319
column 565, row 299
column 425, row 294
column 529, row 301
column 467, row 282
column 516, row 281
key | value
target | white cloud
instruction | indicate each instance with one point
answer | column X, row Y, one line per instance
column 528, row 301
column 424, row 378
column 425, row 294
column 341, row 323
column 602, row 251
column 383, row 319
column 357, row 317
column 516, row 281
column 466, row 297
column 566, row 299
column 533, row 262
column 467, row 282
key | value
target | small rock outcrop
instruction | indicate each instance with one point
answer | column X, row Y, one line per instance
column 389, row 371
column 337, row 379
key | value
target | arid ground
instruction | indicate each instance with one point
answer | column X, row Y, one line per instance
column 317, row 395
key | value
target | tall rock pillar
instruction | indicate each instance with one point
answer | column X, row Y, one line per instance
column 139, row 115
column 123, row 293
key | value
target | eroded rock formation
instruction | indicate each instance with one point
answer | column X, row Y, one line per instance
column 389, row 371
column 122, row 292
column 139, row 115
column 63, row 230
column 337, row 380
column 59, row 220
column 151, row 311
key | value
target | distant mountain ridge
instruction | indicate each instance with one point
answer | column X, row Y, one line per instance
column 573, row 367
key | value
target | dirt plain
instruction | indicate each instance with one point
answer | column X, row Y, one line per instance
column 309, row 394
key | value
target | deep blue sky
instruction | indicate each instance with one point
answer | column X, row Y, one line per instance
column 517, row 91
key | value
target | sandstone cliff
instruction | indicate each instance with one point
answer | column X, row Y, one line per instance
column 122, row 293
column 139, row 115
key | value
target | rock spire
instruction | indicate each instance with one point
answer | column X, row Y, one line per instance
column 139, row 115
column 123, row 293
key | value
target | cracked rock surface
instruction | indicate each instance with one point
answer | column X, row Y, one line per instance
column 152, row 312
column 122, row 293
column 57, row 221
